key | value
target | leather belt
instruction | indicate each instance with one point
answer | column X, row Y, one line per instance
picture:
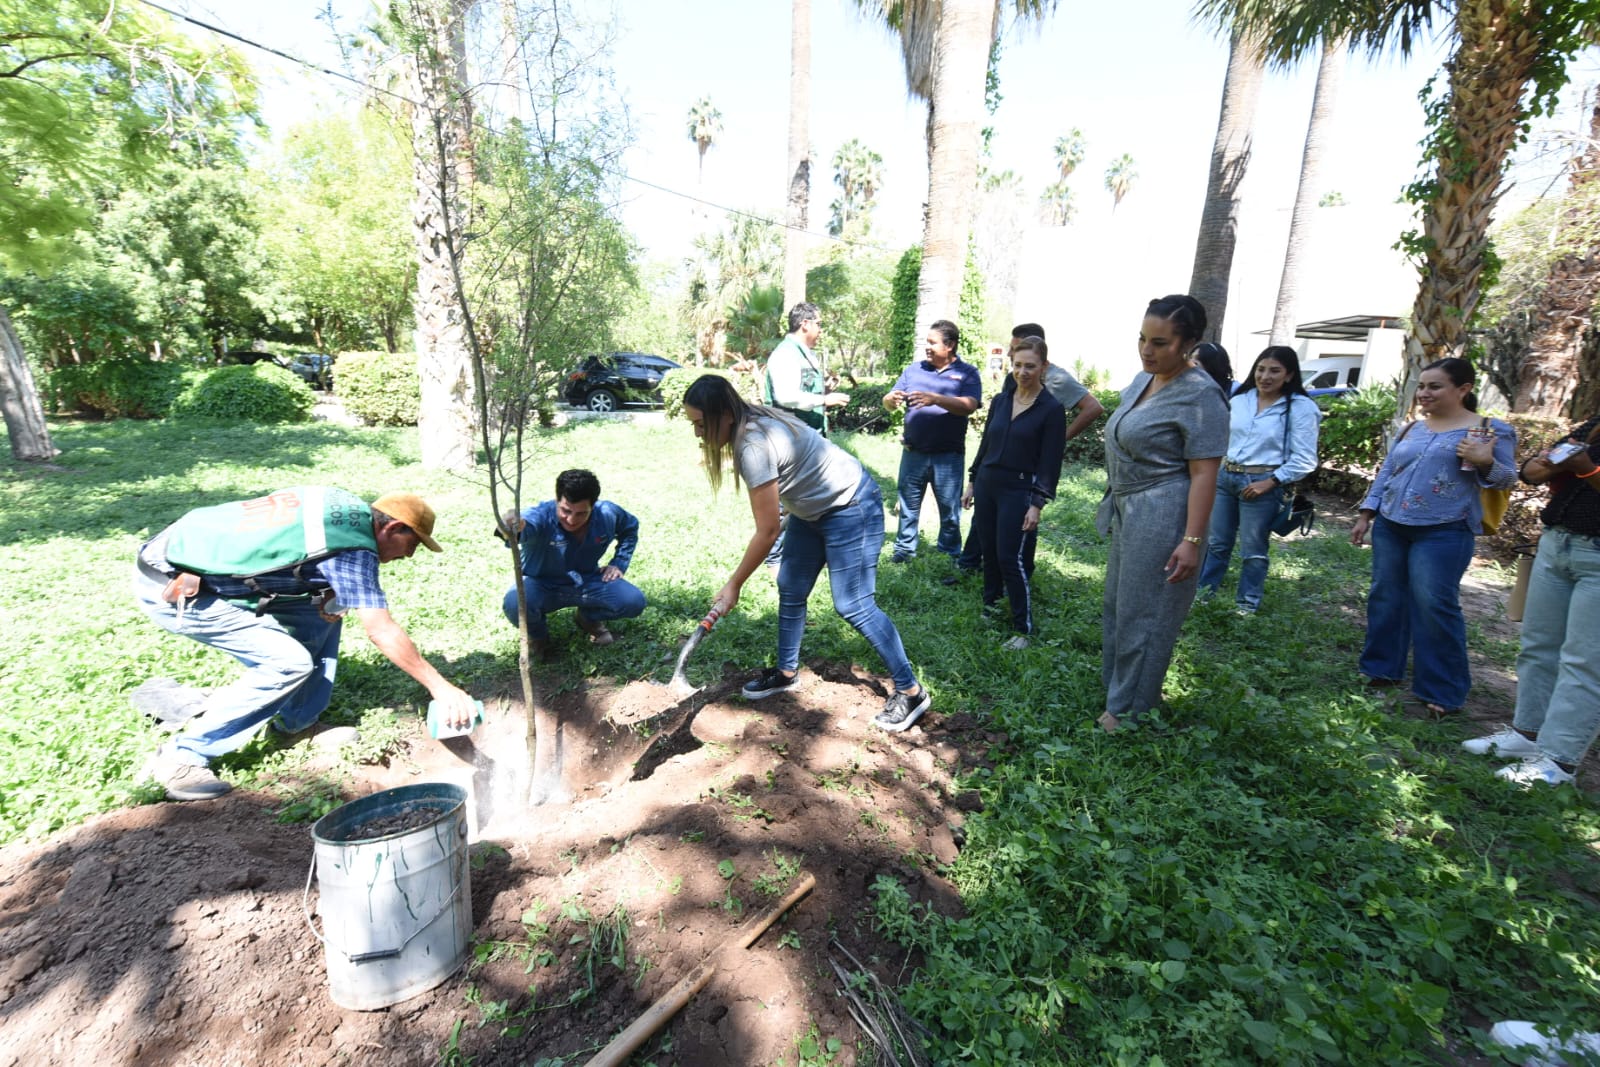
column 1248, row 468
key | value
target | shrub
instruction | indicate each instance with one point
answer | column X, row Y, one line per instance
column 1090, row 445
column 380, row 388
column 865, row 412
column 261, row 392
column 130, row 388
column 1354, row 426
column 675, row 383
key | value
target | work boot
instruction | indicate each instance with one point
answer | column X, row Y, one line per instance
column 182, row 781
column 596, row 630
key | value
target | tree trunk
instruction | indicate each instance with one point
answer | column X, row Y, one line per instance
column 1323, row 101
column 19, row 400
column 960, row 72
column 1487, row 76
column 1230, row 155
column 794, row 243
column 1551, row 365
column 441, row 168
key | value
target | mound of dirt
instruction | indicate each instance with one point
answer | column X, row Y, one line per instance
column 174, row 933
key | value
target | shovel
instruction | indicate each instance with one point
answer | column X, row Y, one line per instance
column 680, row 682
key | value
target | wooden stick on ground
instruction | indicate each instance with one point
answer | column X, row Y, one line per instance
column 667, row 1005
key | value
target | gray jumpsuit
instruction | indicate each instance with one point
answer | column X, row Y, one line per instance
column 1148, row 446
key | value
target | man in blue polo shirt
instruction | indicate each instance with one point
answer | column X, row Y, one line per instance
column 561, row 543
column 940, row 393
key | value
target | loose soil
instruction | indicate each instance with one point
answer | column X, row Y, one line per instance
column 174, row 933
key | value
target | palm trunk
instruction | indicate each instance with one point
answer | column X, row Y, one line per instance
column 1487, row 77
column 1230, row 155
column 1305, row 197
column 1551, row 366
column 794, row 242
column 960, row 69
column 442, row 168
column 19, row 401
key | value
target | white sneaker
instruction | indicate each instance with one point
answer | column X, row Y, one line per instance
column 1505, row 743
column 1537, row 770
column 1016, row 644
column 1546, row 1051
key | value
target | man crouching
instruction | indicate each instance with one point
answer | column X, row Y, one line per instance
column 269, row 581
column 561, row 542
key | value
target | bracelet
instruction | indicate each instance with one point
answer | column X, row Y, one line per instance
column 1591, row 473
column 1196, row 540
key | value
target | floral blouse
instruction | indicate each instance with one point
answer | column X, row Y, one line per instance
column 1421, row 482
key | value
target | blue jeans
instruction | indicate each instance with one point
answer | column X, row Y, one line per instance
column 848, row 540
column 598, row 601
column 1250, row 523
column 999, row 506
column 1414, row 606
column 918, row 470
column 1558, row 670
column 291, row 653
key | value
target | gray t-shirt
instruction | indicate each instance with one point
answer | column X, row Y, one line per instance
column 813, row 475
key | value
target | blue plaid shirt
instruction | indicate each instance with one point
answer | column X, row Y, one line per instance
column 352, row 574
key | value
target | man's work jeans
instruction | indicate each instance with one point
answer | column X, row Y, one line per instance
column 598, row 601
column 291, row 654
column 919, row 470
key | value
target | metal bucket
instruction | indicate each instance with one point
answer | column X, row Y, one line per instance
column 396, row 907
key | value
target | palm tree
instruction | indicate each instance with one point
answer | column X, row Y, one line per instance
column 1120, row 177
column 945, row 45
column 705, row 126
column 1070, row 152
column 1306, row 198
column 857, row 171
column 799, row 192
column 1510, row 60
column 1230, row 156
column 1056, row 207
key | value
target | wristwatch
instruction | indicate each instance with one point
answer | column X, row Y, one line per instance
column 1192, row 540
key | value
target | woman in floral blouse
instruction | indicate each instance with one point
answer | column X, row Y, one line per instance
column 1423, row 511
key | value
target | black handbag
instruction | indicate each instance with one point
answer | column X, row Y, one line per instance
column 1297, row 513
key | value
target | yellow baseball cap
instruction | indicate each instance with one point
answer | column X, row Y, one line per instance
column 412, row 510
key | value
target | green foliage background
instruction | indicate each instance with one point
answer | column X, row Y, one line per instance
column 261, row 392
column 381, row 388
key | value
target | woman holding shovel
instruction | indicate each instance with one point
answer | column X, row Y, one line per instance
column 835, row 518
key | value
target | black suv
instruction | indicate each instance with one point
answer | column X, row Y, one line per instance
column 606, row 383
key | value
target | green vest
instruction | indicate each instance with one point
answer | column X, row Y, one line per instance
column 270, row 533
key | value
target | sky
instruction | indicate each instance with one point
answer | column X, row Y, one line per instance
column 1142, row 80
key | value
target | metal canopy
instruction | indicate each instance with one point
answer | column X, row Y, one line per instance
column 1347, row 328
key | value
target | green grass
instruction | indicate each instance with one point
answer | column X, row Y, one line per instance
column 1282, row 869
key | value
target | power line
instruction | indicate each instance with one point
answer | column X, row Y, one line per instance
column 615, row 172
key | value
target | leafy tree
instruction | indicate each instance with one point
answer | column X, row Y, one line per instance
column 906, row 331
column 946, row 46
column 705, row 126
column 858, row 172
column 727, row 264
column 1508, row 65
column 853, row 292
column 335, row 227
column 1056, row 206
column 756, row 325
column 90, row 95
column 1120, row 176
column 1069, row 151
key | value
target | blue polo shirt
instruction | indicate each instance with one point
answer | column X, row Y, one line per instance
column 931, row 428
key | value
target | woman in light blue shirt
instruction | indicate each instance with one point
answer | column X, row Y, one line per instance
column 1272, row 443
column 1424, row 510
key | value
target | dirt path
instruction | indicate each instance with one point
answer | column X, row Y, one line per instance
column 173, row 933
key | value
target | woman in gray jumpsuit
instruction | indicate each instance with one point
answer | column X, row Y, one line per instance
column 1164, row 444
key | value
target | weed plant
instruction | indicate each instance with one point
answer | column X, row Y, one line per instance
column 1280, row 868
